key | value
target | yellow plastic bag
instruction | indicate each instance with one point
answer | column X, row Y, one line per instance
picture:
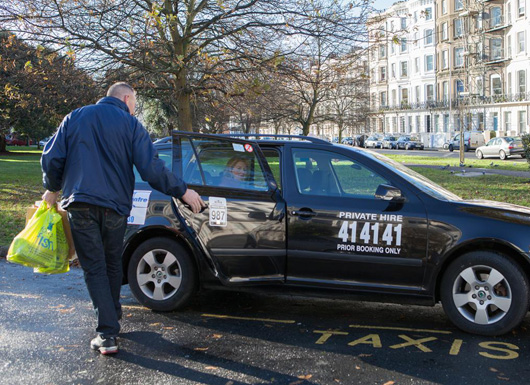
column 42, row 244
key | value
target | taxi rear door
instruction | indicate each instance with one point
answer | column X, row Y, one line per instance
column 242, row 231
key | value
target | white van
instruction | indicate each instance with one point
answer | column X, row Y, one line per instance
column 472, row 140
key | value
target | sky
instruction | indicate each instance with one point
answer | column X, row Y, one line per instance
column 383, row 4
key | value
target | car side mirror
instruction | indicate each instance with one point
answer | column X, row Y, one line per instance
column 389, row 193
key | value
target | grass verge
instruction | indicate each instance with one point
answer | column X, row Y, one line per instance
column 498, row 164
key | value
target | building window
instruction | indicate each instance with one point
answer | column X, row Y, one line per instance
column 521, row 81
column 507, row 121
column 520, row 42
column 445, row 90
column 496, row 85
column 382, row 51
column 394, row 101
column 445, row 59
column 393, row 70
column 444, row 7
column 382, row 98
column 417, row 65
column 495, row 16
column 445, row 34
column 459, row 57
column 428, row 37
column 457, row 27
column 458, row 5
column 404, row 69
column 522, row 121
column 429, row 64
column 520, row 7
column 495, row 49
column 508, row 13
column 480, row 86
column 418, row 95
column 403, row 23
column 428, row 13
column 429, row 91
column 509, row 77
column 446, row 122
column 459, row 87
column 403, row 45
column 508, row 47
column 404, row 96
column 382, row 74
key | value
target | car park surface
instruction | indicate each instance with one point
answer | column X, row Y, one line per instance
column 330, row 220
column 502, row 147
column 240, row 338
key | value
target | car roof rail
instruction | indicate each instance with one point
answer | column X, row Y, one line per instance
column 255, row 136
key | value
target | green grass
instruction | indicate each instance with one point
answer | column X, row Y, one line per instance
column 492, row 187
column 508, row 164
column 20, row 187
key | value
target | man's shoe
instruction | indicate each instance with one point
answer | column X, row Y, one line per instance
column 104, row 345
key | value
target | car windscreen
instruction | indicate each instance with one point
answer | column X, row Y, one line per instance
column 419, row 181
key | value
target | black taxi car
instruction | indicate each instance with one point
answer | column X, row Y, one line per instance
column 321, row 218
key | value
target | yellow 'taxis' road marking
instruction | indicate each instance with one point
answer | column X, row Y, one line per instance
column 134, row 307
column 400, row 329
column 20, row 295
column 248, row 318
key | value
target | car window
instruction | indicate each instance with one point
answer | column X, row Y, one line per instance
column 221, row 163
column 273, row 159
column 491, row 142
column 164, row 154
column 325, row 173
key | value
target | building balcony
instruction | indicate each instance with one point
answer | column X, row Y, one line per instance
column 456, row 102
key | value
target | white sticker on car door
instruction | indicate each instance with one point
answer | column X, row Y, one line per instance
column 218, row 211
column 140, row 202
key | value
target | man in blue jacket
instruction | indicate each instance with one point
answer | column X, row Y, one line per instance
column 91, row 159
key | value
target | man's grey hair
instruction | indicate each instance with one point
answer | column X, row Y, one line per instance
column 118, row 90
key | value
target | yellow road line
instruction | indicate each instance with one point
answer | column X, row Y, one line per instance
column 134, row 307
column 20, row 295
column 400, row 329
column 248, row 318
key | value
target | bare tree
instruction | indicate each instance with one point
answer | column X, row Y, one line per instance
column 176, row 47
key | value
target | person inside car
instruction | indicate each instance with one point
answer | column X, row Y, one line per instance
column 236, row 171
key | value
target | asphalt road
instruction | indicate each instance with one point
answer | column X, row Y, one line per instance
column 229, row 338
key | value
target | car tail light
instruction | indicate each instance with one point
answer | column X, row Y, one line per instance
column 511, row 147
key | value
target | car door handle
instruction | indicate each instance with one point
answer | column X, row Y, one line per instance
column 303, row 213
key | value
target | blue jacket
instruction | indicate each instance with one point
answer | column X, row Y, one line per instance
column 91, row 157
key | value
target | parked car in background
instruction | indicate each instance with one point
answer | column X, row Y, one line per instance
column 358, row 140
column 347, row 140
column 167, row 139
column 472, row 141
column 407, row 142
column 373, row 141
column 43, row 142
column 389, row 142
column 501, row 147
column 17, row 141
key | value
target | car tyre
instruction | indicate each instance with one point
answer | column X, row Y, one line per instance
column 407, row 147
column 485, row 293
column 162, row 275
column 451, row 148
column 480, row 155
column 466, row 148
column 502, row 154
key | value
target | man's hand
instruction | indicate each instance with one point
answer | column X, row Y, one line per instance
column 194, row 200
column 50, row 198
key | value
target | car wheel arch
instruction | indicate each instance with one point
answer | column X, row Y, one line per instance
column 490, row 245
column 159, row 232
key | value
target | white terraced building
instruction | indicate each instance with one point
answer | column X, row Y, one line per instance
column 441, row 66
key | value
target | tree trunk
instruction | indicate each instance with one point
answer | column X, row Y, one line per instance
column 2, row 143
column 184, row 103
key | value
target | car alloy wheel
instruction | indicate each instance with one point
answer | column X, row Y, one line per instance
column 480, row 155
column 502, row 154
column 161, row 274
column 485, row 293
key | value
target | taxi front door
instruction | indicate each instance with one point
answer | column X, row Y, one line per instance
column 340, row 235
